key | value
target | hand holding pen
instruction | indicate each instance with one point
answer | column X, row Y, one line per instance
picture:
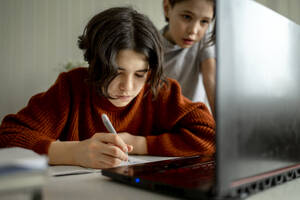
column 100, row 151
column 135, row 144
column 109, row 126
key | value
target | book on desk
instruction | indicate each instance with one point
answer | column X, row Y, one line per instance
column 22, row 171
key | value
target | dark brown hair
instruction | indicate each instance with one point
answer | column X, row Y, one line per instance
column 117, row 29
column 212, row 35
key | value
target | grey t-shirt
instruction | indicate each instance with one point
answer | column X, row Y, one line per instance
column 184, row 65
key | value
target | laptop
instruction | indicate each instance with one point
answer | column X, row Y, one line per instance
column 257, row 113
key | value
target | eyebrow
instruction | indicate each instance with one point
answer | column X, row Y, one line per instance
column 191, row 13
column 141, row 70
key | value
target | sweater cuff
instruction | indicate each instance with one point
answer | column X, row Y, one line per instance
column 42, row 146
column 151, row 147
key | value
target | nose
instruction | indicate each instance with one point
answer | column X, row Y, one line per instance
column 126, row 83
column 193, row 28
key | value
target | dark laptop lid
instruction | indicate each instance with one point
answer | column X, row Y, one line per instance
column 258, row 96
column 190, row 177
column 257, row 110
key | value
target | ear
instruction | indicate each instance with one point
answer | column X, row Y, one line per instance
column 166, row 7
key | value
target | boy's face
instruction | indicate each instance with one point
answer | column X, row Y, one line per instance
column 188, row 21
column 132, row 75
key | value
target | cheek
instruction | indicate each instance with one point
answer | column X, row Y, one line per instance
column 202, row 33
column 179, row 28
column 112, row 86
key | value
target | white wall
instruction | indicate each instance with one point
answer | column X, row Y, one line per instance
column 287, row 8
column 38, row 36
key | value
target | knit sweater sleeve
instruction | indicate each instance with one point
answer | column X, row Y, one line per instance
column 41, row 121
column 187, row 128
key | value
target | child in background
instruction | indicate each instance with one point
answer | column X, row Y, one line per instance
column 189, row 47
column 124, row 81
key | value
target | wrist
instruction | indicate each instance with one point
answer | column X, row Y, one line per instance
column 141, row 145
column 63, row 153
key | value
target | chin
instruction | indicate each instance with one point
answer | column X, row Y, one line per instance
column 186, row 45
column 120, row 104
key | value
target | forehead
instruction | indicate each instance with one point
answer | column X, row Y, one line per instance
column 131, row 60
column 199, row 8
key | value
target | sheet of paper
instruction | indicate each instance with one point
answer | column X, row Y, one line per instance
column 65, row 170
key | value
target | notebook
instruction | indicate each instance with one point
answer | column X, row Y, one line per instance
column 257, row 113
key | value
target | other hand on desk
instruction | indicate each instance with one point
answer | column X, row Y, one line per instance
column 139, row 143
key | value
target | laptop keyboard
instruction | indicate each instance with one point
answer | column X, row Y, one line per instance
column 191, row 173
column 197, row 167
column 194, row 171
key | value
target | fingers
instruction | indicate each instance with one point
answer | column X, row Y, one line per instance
column 113, row 151
column 102, row 155
column 129, row 147
column 108, row 161
column 113, row 139
column 104, row 150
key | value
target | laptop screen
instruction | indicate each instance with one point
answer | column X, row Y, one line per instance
column 258, row 91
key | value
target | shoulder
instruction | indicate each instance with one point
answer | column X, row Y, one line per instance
column 206, row 48
column 173, row 105
column 171, row 95
column 77, row 73
column 73, row 80
column 170, row 85
column 75, row 76
column 171, row 92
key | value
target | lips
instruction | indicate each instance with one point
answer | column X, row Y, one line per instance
column 188, row 41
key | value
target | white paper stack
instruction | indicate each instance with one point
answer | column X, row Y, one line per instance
column 21, row 170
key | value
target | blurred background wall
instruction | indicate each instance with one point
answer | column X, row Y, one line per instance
column 39, row 37
column 287, row 8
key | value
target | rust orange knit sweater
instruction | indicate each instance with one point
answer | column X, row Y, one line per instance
column 71, row 110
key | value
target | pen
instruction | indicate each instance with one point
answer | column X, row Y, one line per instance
column 109, row 126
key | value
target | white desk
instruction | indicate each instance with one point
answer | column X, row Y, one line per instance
column 96, row 186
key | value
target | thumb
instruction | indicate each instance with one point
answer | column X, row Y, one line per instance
column 129, row 147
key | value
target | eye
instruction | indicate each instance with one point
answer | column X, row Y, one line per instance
column 204, row 21
column 186, row 17
column 140, row 74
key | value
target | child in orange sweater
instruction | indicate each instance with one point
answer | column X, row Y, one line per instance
column 124, row 80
